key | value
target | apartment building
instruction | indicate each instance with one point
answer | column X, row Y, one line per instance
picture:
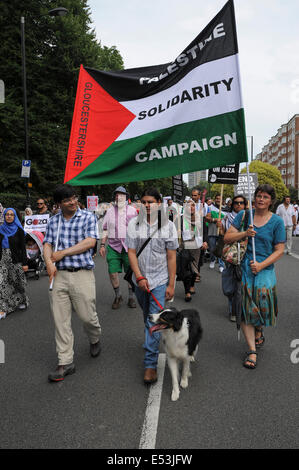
column 282, row 151
column 196, row 177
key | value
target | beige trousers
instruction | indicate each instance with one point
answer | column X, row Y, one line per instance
column 75, row 291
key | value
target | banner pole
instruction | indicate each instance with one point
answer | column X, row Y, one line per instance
column 250, row 210
column 219, row 214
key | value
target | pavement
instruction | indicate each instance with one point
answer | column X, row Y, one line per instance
column 103, row 405
column 295, row 246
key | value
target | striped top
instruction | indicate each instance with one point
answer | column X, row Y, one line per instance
column 153, row 259
column 81, row 226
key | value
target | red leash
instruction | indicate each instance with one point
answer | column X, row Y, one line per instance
column 157, row 302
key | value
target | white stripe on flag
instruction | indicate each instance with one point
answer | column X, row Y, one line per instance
column 212, row 105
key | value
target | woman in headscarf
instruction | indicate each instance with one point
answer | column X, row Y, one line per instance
column 13, row 264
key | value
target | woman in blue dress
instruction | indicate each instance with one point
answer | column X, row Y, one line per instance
column 259, row 297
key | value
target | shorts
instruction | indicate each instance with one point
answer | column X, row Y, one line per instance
column 116, row 261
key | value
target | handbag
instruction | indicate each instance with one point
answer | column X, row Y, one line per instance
column 233, row 253
column 183, row 263
column 129, row 272
column 219, row 246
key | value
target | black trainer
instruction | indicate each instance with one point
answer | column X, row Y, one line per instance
column 61, row 371
column 95, row 349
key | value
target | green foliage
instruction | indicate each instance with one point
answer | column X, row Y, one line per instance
column 293, row 194
column 17, row 201
column 268, row 174
column 55, row 48
column 228, row 190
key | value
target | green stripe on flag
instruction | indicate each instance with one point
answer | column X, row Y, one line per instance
column 197, row 145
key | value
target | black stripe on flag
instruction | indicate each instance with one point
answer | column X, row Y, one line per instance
column 217, row 40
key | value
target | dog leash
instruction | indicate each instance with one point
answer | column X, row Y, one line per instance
column 157, row 302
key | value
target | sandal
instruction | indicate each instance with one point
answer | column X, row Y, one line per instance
column 188, row 297
column 249, row 366
column 259, row 341
column 192, row 292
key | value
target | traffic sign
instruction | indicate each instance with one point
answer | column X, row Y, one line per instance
column 26, row 165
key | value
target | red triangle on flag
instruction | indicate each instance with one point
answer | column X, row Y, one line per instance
column 97, row 122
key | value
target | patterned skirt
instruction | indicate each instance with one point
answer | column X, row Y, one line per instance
column 259, row 297
column 12, row 284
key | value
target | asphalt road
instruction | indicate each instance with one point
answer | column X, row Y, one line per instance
column 102, row 406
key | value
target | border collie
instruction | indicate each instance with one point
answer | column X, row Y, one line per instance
column 181, row 333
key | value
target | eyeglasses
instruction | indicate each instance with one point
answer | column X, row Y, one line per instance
column 239, row 202
column 70, row 200
column 260, row 196
column 40, row 203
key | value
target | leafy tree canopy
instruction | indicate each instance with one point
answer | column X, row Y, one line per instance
column 268, row 174
column 55, row 48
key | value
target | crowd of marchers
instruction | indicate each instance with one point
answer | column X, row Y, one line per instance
column 156, row 243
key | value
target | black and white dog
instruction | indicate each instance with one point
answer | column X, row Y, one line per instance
column 181, row 332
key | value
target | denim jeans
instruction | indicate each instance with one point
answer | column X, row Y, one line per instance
column 212, row 245
column 149, row 306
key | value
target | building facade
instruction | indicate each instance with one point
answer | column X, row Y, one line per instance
column 282, row 151
column 196, row 177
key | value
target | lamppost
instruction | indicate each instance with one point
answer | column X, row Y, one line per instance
column 59, row 11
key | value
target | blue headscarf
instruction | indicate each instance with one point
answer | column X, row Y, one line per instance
column 9, row 229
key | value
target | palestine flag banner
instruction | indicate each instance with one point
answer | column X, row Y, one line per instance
column 159, row 121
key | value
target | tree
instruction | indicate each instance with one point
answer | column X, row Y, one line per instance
column 228, row 190
column 55, row 48
column 268, row 174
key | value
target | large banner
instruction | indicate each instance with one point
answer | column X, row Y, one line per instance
column 164, row 120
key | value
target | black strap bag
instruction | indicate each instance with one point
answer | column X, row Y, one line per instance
column 129, row 272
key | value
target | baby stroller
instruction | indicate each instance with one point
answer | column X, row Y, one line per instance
column 34, row 250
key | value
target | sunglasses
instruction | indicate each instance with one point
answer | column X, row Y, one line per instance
column 239, row 202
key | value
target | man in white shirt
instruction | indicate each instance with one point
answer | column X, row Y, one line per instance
column 287, row 212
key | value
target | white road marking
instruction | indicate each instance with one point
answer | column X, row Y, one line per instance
column 294, row 255
column 151, row 419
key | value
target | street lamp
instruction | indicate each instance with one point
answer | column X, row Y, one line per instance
column 59, row 11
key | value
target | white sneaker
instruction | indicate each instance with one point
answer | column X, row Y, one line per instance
column 212, row 264
column 221, row 269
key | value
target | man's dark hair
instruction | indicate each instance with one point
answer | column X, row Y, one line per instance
column 153, row 192
column 63, row 191
column 162, row 216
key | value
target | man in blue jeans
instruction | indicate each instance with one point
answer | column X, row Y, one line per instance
column 154, row 269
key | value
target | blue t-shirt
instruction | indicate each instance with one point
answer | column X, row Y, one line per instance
column 267, row 236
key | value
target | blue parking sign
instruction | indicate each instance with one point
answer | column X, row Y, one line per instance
column 26, row 164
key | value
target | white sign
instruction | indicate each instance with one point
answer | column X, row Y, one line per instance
column 36, row 222
column 92, row 203
column 26, row 165
column 242, row 186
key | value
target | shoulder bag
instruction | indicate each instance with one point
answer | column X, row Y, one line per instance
column 233, row 253
column 129, row 272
